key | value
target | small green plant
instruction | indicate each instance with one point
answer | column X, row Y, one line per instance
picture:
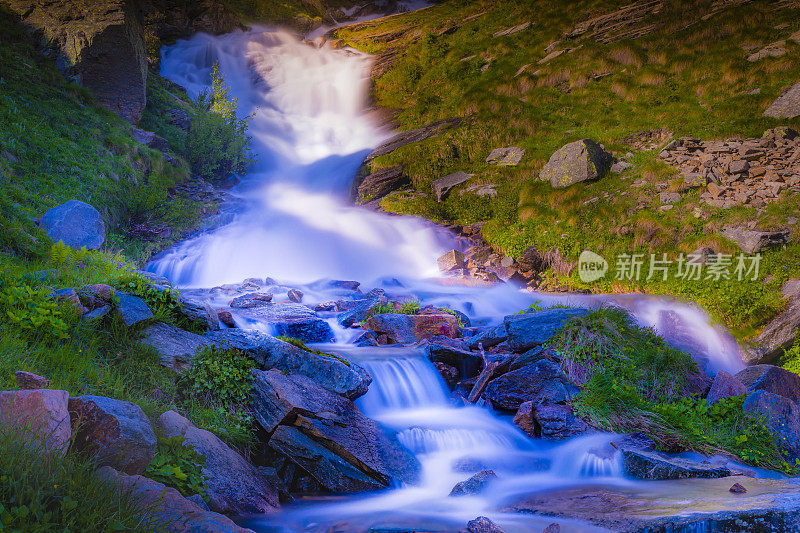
column 219, row 374
column 232, row 424
column 218, row 143
column 535, row 307
column 33, row 311
column 179, row 466
column 791, row 357
column 164, row 302
column 459, row 321
column 410, row 307
column 383, row 308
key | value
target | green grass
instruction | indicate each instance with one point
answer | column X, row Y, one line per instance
column 691, row 80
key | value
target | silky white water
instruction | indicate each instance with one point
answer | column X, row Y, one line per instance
column 294, row 222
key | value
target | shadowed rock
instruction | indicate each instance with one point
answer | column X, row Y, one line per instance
column 175, row 346
column 529, row 330
column 575, row 162
column 41, row 413
column 541, row 382
column 475, row 484
column 76, row 224
column 641, row 464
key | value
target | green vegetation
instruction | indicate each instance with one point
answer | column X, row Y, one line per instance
column 40, row 491
column 632, row 381
column 791, row 357
column 221, row 375
column 303, row 14
column 406, row 307
column 297, row 343
column 689, row 76
column 179, row 466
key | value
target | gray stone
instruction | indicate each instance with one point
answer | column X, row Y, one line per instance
column 327, row 436
column 640, row 464
column 475, row 484
column 150, row 139
column 175, row 347
column 132, row 309
column 30, row 381
column 290, row 319
column 488, row 337
column 412, row 136
column 787, row 105
column 783, row 419
column 575, row 162
column 360, row 312
column 772, row 379
column 483, row 525
column 549, row 421
column 397, row 327
column 620, row 166
column 778, row 335
column 532, row 329
column 114, row 432
column 254, row 299
column 753, row 241
column 514, row 29
column 468, row 364
column 724, row 386
column 450, row 261
column 42, row 412
column 334, row 373
column 506, row 157
column 443, row 185
column 76, row 224
column 96, row 315
column 669, row 197
column 233, row 484
column 380, row 183
column 541, row 382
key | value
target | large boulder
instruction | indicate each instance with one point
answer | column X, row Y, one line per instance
column 783, row 419
column 380, row 183
column 173, row 512
column 175, row 347
column 43, row 413
column 532, row 329
column 577, row 161
column 488, row 337
column 772, row 379
column 132, row 309
column 408, row 329
column 76, row 224
column 290, row 319
column 724, row 386
column 327, row 436
column 549, row 421
column 475, row 484
column 101, row 43
column 115, row 433
column 641, row 464
column 233, row 485
column 755, row 241
column 468, row 364
column 786, row 105
column 541, row 382
column 334, row 373
column 777, row 336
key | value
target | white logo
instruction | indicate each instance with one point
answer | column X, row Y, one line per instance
column 591, row 266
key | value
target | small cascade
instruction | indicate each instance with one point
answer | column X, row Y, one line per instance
column 398, row 384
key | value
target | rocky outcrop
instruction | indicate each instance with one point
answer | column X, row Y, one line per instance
column 335, row 374
column 233, row 485
column 409, row 329
column 754, row 241
column 786, row 105
column 413, row 136
column 777, row 336
column 76, row 224
column 41, row 413
column 99, row 42
column 378, row 184
column 783, row 419
column 475, row 484
column 175, row 347
column 173, row 512
column 549, row 421
column 529, row 330
column 326, row 435
column 169, row 20
column 640, row 464
column 113, row 432
column 724, row 386
column 773, row 379
column 541, row 382
column 290, row 319
column 575, row 162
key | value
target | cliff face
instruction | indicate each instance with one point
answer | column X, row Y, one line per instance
column 100, row 43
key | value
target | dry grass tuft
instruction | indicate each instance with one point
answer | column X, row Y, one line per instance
column 625, row 56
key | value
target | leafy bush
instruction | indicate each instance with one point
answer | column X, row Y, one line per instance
column 221, row 375
column 791, row 357
column 32, row 310
column 44, row 492
column 164, row 302
column 218, row 144
column 179, row 466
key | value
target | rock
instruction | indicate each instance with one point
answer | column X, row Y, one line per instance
column 226, row 318
column 408, row 329
column 541, row 382
column 450, row 261
column 76, row 224
column 577, row 161
column 380, row 183
column 620, row 166
column 772, row 50
column 694, row 179
column 449, row 373
column 360, row 312
column 468, row 364
column 669, row 197
column 787, row 105
column 549, row 421
column 778, row 335
column 334, row 373
column 483, row 525
column 506, row 157
column 179, row 118
column 327, row 436
column 30, row 381
column 443, row 185
column 531, row 260
column 724, row 386
column 175, row 346
column 528, row 358
column 100, row 43
column 475, row 484
column 295, row 296
column 640, row 464
column 113, row 432
column 532, row 329
column 150, row 139
column 254, row 299
column 234, row 485
column 132, row 309
column 751, row 242
column 552, row 528
column 511, row 31
column 97, row 315
column 783, row 419
column 200, row 312
column 42, row 412
column 737, row 488
column 772, row 379
column 412, row 136
column 488, row 337
column 290, row 319
column 173, row 512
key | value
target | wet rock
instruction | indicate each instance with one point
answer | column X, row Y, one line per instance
column 507, row 157
column 327, row 436
column 468, row 364
column 42, row 412
column 783, row 419
column 175, row 347
column 366, row 339
column 132, row 309
column 295, row 296
column 290, row 319
column 737, row 488
column 483, row 525
column 532, row 329
column 30, row 381
column 175, row 513
column 113, row 432
column 488, row 337
column 787, row 105
column 530, row 357
column 772, row 379
column 76, row 224
column 334, row 373
column 751, row 241
column 234, row 485
column 380, row 183
column 475, row 484
column 254, row 299
column 549, row 421
column 531, row 260
column 449, row 373
column 226, row 318
column 409, row 329
column 640, row 464
column 575, row 162
column 450, row 261
column 150, row 139
column 724, row 386
column 552, row 528
column 777, row 336
column 344, row 285
column 541, row 382
column 443, row 185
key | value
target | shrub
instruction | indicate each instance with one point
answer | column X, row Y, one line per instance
column 179, row 466
column 221, row 375
column 218, row 144
column 32, row 310
column 163, row 302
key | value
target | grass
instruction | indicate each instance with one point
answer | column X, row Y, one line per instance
column 692, row 79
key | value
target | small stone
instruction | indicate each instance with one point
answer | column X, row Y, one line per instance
column 132, row 309
column 251, row 300
column 475, row 484
column 295, row 295
column 508, row 157
column 620, row 166
column 737, row 488
column 226, row 318
column 30, row 381
column 506, row 261
column 443, row 185
column 552, row 528
column 450, row 261
column 483, row 525
column 694, row 179
column 669, row 197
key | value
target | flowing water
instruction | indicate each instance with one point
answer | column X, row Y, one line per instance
column 293, row 221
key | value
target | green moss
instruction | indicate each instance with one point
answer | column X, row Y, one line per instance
column 297, row 343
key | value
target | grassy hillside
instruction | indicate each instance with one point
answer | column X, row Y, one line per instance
column 687, row 73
